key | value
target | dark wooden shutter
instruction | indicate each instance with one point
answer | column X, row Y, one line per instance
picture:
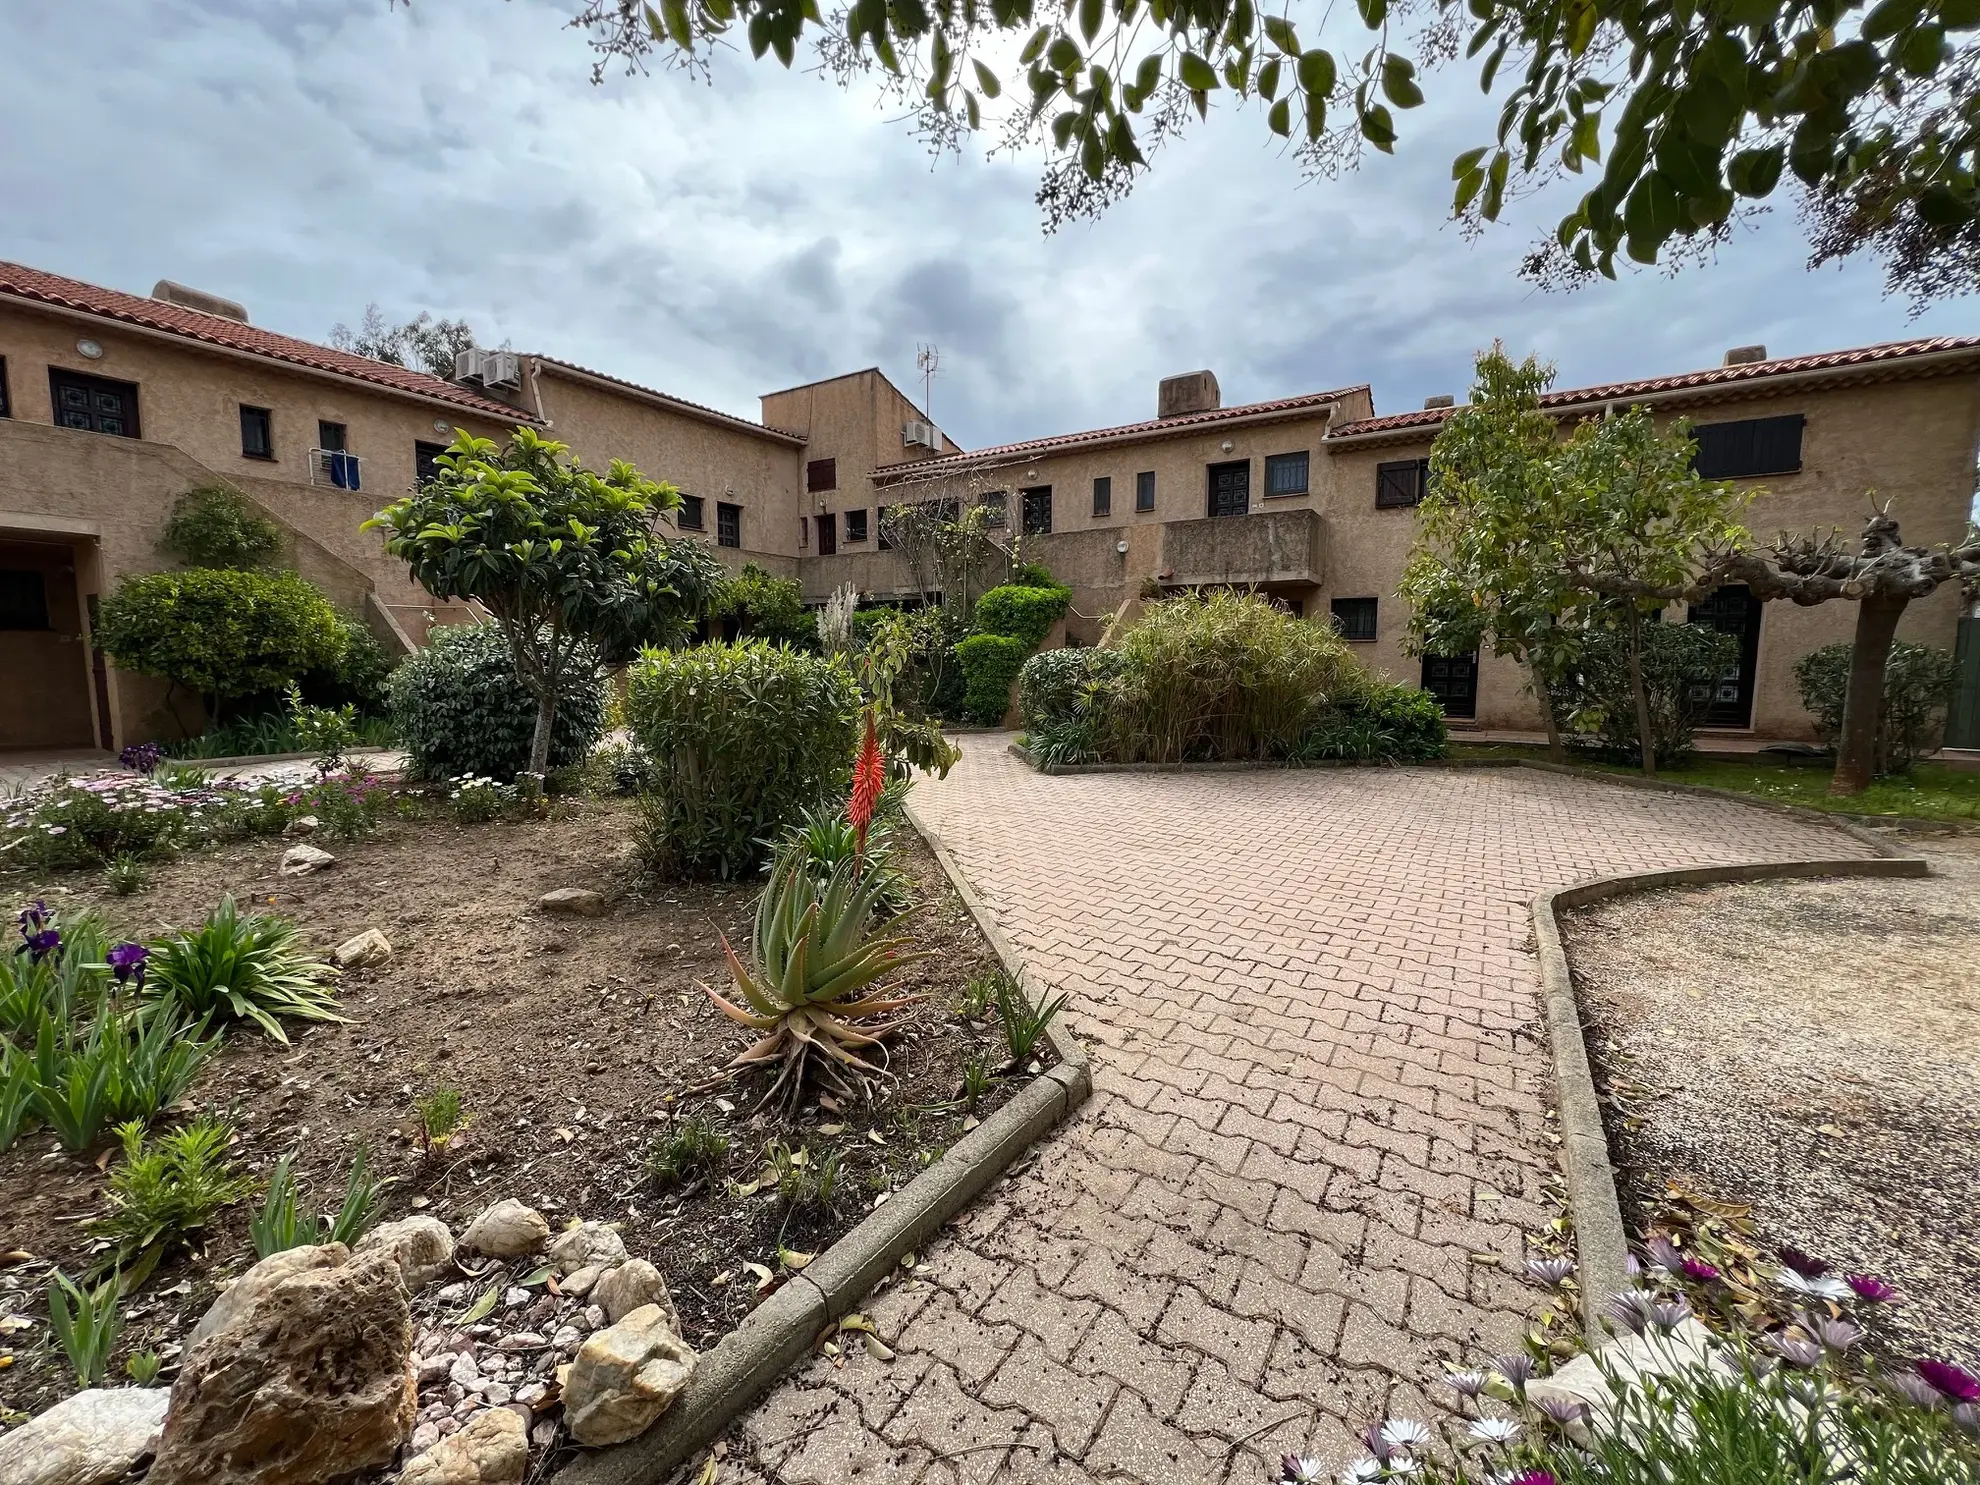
column 1748, row 447
column 821, row 474
column 1400, row 482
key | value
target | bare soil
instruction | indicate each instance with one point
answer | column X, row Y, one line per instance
column 1811, row 1048
column 574, row 1043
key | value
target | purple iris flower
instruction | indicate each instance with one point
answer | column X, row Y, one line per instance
column 39, row 935
column 1951, row 1381
column 1871, row 1288
column 127, row 964
column 1803, row 1264
column 1699, row 1269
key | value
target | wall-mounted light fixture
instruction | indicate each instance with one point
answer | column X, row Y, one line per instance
column 441, row 425
column 1227, row 445
column 1121, row 546
column 90, row 349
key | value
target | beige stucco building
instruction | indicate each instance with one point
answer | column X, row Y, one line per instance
column 112, row 405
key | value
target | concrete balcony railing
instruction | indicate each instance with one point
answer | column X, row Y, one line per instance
column 1280, row 546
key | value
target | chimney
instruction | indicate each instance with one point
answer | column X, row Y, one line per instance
column 212, row 304
column 1442, row 399
column 1744, row 355
column 1192, row 392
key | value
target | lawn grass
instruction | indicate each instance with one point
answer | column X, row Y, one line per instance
column 1932, row 791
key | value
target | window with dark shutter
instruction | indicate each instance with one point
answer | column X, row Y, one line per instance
column 821, row 474
column 1103, row 496
column 93, row 403
column 855, row 525
column 332, row 438
column 1354, row 618
column 1400, row 482
column 1144, row 490
column 1037, row 510
column 691, row 514
column 1285, row 474
column 425, row 457
column 257, row 433
column 1748, row 447
column 728, row 524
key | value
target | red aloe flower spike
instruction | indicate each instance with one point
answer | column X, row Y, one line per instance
column 869, row 777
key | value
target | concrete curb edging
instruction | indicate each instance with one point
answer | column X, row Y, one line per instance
column 781, row 1330
column 1601, row 1242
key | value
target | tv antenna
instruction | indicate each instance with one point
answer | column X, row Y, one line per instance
column 927, row 358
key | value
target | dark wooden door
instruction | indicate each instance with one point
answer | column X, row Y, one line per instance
column 94, row 404
column 1732, row 610
column 1453, row 680
column 828, row 534
column 1230, row 488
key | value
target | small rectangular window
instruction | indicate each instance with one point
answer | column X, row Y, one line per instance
column 1103, row 496
column 728, row 524
column 1354, row 618
column 1285, row 474
column 1144, row 490
column 23, row 598
column 804, row 533
column 331, row 437
column 855, row 525
column 425, row 455
column 93, row 403
column 257, row 433
column 1037, row 510
column 1400, row 482
column 689, row 516
column 6, row 408
column 821, row 474
column 1749, row 447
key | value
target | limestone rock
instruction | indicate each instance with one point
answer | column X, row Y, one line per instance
column 507, row 1229
column 257, row 1281
column 312, row 1382
column 628, row 1287
column 421, row 1245
column 302, row 825
column 300, row 861
column 366, row 950
column 492, row 1448
column 1631, row 1359
column 625, row 1377
column 90, row 1439
column 587, row 1245
column 573, row 902
column 578, row 1285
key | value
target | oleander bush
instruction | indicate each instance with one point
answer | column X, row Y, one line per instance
column 1919, row 681
column 460, row 708
column 740, row 740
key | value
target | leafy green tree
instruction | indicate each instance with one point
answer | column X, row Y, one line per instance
column 218, row 526
column 1487, row 565
column 1678, row 117
column 423, row 343
column 566, row 560
column 221, row 634
column 767, row 608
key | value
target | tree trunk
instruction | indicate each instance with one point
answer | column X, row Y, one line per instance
column 1644, row 740
column 539, row 743
column 1556, row 749
column 1856, row 754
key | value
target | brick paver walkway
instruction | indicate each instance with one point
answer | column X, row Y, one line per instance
column 1321, row 1104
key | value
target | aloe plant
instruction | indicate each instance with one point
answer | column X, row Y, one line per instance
column 812, row 986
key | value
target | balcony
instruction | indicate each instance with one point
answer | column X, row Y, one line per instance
column 1240, row 551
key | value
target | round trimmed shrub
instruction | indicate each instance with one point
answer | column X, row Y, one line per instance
column 1021, row 613
column 1919, row 681
column 742, row 740
column 460, row 708
column 990, row 662
column 220, row 632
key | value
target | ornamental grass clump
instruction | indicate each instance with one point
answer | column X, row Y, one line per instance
column 251, row 968
column 813, row 986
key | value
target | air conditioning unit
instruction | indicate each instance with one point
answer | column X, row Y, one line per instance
column 920, row 435
column 468, row 364
column 336, row 468
column 501, row 369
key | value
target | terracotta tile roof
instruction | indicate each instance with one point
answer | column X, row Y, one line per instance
column 1885, row 358
column 35, row 286
column 692, row 409
column 1286, row 406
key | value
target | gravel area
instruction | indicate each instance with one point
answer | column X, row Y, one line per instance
column 1812, row 1048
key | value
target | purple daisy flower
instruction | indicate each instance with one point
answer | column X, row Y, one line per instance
column 1663, row 1252
column 1467, row 1384
column 1917, row 1390
column 1553, row 1272
column 1803, row 1264
column 1517, row 1368
column 1630, row 1310
column 1561, row 1410
column 1699, row 1269
column 1294, row 1470
column 1951, row 1381
column 1794, row 1347
column 1667, row 1315
column 1870, row 1288
column 1837, row 1335
column 1533, row 1477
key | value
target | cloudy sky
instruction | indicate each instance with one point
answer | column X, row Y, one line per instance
column 308, row 156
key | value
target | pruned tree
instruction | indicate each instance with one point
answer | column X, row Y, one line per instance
column 568, row 561
column 423, row 343
column 1679, row 118
column 1487, row 565
column 1884, row 577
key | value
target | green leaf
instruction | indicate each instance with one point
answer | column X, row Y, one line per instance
column 1469, row 185
column 986, row 80
column 676, row 16
column 1063, row 56
column 1196, row 74
column 1379, row 128
column 1495, row 185
column 1467, row 162
column 1890, row 18
column 1035, row 46
column 1399, row 82
column 1148, row 74
column 1316, row 115
column 1317, row 73
column 1755, row 173
column 1373, row 12
column 1279, row 31
column 1588, row 136
column 1090, row 14
column 1922, row 51
column 1280, row 118
column 1268, row 80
